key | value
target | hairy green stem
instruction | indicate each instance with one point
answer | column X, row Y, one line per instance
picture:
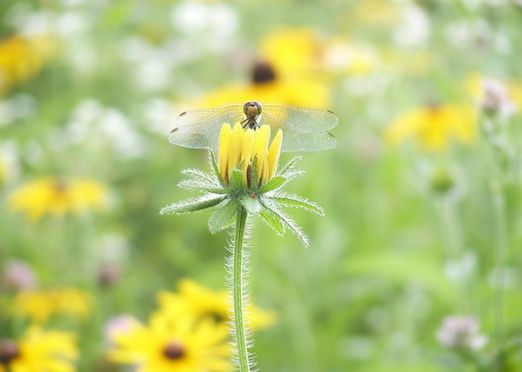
column 237, row 291
column 500, row 258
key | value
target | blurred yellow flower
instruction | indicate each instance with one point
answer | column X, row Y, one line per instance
column 193, row 301
column 179, row 345
column 269, row 85
column 39, row 306
column 56, row 197
column 377, row 11
column 39, row 351
column 239, row 148
column 4, row 171
column 301, row 53
column 434, row 126
column 21, row 58
column 293, row 52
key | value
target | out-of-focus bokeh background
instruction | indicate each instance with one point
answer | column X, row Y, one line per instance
column 417, row 264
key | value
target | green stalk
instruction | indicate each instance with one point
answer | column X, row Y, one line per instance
column 237, row 291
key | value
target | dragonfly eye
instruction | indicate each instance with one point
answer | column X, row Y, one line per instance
column 252, row 109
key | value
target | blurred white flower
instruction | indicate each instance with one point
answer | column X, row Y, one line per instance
column 19, row 106
column 112, row 248
column 460, row 270
column 118, row 324
column 9, row 164
column 461, row 332
column 413, row 28
column 477, row 33
column 212, row 24
column 92, row 122
column 18, row 275
column 495, row 98
column 504, row 277
column 160, row 115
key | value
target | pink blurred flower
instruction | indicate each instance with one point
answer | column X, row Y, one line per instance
column 18, row 276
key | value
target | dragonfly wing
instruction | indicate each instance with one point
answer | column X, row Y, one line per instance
column 200, row 128
column 302, row 120
column 304, row 142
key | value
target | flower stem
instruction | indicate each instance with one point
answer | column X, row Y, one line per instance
column 238, row 291
column 500, row 258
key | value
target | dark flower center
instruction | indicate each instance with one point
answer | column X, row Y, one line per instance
column 263, row 72
column 216, row 317
column 8, row 351
column 174, row 351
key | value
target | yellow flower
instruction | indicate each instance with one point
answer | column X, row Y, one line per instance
column 270, row 86
column 180, row 345
column 39, row 351
column 21, row 58
column 293, row 52
column 377, row 12
column 41, row 305
column 199, row 303
column 56, row 197
column 239, row 148
column 434, row 126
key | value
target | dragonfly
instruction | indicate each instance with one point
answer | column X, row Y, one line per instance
column 304, row 129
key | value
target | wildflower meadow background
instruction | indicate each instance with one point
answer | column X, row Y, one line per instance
column 416, row 265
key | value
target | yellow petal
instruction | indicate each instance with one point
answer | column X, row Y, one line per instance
column 224, row 148
column 273, row 153
column 262, row 138
column 235, row 148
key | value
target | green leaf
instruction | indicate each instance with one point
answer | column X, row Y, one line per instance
column 192, row 205
column 272, row 220
column 237, row 181
column 287, row 221
column 197, row 184
column 223, row 217
column 296, row 201
column 251, row 204
column 290, row 165
column 272, row 184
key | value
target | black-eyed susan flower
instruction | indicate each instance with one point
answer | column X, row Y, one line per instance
column 41, row 305
column 193, row 301
column 268, row 84
column 51, row 196
column 182, row 345
column 21, row 58
column 434, row 127
column 244, row 181
column 39, row 350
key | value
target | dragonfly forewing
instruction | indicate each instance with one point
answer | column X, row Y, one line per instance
column 200, row 128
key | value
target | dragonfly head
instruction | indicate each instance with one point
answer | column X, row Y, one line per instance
column 252, row 109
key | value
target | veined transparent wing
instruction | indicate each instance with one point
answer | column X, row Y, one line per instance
column 200, row 128
column 301, row 120
column 297, row 142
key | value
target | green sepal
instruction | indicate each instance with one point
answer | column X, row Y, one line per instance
column 223, row 217
column 215, row 169
column 289, row 166
column 296, row 201
column 251, row 204
column 201, row 185
column 273, row 221
column 193, row 204
column 272, row 184
column 273, row 207
column 237, row 181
